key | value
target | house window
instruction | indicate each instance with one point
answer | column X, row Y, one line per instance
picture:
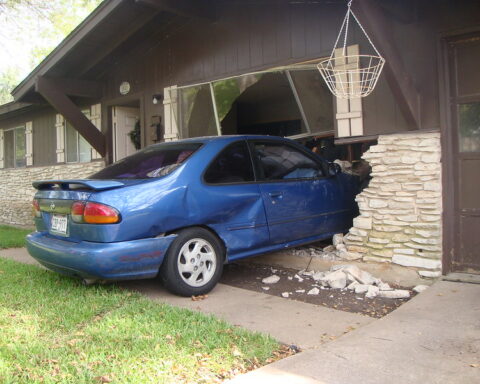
column 77, row 149
column 15, row 147
column 291, row 101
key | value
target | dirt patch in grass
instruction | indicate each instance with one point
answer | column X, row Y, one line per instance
column 249, row 276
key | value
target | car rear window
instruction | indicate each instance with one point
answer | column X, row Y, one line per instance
column 154, row 161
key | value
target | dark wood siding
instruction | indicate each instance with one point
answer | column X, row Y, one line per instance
column 44, row 135
column 250, row 37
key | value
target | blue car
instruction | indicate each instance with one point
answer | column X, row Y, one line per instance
column 181, row 210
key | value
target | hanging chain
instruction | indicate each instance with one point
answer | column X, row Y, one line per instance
column 346, row 25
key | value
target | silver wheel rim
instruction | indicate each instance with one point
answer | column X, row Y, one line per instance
column 196, row 262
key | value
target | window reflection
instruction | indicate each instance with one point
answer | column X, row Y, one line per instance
column 469, row 127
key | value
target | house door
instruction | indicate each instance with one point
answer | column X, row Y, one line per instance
column 124, row 120
column 464, row 61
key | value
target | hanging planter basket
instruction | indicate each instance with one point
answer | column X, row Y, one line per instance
column 347, row 75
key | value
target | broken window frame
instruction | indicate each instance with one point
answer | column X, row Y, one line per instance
column 309, row 65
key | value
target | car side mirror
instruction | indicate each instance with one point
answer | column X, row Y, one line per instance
column 334, row 169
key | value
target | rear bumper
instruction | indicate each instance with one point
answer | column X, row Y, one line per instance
column 127, row 260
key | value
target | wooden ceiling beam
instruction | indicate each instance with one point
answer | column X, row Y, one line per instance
column 77, row 87
column 188, row 8
column 57, row 98
column 401, row 83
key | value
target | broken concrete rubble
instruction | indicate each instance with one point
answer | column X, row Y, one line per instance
column 353, row 278
column 271, row 279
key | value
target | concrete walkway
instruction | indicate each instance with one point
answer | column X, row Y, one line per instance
column 291, row 322
column 432, row 339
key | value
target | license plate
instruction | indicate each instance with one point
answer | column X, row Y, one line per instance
column 59, row 224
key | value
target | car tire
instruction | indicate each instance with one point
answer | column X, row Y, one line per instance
column 193, row 263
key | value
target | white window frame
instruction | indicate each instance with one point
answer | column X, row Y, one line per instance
column 4, row 152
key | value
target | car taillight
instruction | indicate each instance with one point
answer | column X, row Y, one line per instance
column 36, row 208
column 94, row 213
column 78, row 207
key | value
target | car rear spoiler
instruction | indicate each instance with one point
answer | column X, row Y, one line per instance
column 65, row 185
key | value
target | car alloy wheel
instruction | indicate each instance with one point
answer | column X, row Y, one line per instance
column 197, row 262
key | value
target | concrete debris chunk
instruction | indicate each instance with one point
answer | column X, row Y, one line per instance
column 300, row 291
column 372, row 292
column 271, row 279
column 329, row 248
column 336, row 280
column 384, row 287
column 361, row 288
column 352, row 286
column 420, row 288
column 346, row 255
column 341, row 247
column 298, row 278
column 395, row 294
column 265, row 288
column 356, row 273
column 313, row 291
column 337, row 239
column 285, row 294
column 318, row 276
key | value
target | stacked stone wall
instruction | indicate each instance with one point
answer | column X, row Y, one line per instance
column 401, row 210
column 16, row 191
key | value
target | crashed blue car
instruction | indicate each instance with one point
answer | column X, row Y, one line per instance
column 181, row 210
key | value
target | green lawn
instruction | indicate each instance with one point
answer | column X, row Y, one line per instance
column 55, row 330
column 11, row 237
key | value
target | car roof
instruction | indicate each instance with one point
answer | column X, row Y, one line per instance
column 226, row 138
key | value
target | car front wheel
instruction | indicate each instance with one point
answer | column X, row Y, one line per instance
column 193, row 264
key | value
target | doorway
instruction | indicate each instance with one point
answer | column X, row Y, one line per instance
column 464, row 152
column 125, row 120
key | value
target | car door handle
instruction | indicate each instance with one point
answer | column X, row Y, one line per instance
column 275, row 195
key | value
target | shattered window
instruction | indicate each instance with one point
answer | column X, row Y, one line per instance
column 286, row 102
column 197, row 116
column 315, row 98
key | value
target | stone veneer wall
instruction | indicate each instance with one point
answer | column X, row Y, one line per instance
column 401, row 210
column 16, row 191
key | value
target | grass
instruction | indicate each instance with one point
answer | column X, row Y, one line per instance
column 55, row 330
column 11, row 237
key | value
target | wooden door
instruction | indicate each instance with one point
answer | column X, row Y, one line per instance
column 124, row 120
column 464, row 64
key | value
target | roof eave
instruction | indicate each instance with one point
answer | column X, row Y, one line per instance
column 99, row 14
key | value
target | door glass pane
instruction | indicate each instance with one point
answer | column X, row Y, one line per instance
column 469, row 127
column 196, row 112
column 20, row 147
column 8, row 138
column 71, row 143
column 233, row 165
column 280, row 162
column 316, row 99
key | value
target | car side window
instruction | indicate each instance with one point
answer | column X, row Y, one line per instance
column 232, row 165
column 277, row 161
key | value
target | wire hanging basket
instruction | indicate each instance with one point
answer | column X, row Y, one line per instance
column 349, row 75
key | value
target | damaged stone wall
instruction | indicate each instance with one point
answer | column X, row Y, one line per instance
column 16, row 191
column 401, row 210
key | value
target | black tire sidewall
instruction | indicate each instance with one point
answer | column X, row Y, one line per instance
column 169, row 273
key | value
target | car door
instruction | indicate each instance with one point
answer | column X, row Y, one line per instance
column 237, row 213
column 301, row 201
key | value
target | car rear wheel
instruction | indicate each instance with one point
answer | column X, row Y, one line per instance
column 194, row 263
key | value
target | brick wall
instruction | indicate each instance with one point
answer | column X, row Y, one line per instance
column 401, row 210
column 16, row 191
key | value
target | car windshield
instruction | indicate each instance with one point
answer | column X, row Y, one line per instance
column 154, row 161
